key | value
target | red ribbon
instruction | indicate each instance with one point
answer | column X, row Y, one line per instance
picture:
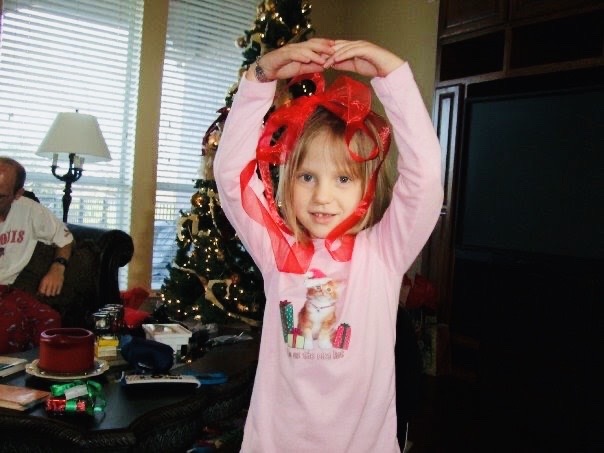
column 348, row 99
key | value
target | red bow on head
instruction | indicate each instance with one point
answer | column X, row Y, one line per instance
column 349, row 100
column 346, row 98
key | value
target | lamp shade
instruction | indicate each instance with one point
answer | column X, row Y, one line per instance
column 75, row 133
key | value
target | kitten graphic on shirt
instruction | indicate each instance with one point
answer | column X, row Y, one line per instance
column 317, row 318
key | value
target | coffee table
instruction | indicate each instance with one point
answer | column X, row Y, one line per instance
column 158, row 419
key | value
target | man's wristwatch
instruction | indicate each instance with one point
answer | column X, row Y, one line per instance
column 60, row 260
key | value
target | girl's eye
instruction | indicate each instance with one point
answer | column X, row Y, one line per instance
column 305, row 177
column 344, row 179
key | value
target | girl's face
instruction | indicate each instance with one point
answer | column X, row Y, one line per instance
column 324, row 191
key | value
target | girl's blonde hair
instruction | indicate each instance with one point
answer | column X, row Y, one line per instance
column 324, row 123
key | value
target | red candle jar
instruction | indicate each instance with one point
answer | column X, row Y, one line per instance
column 66, row 350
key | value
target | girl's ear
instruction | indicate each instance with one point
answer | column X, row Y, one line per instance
column 19, row 193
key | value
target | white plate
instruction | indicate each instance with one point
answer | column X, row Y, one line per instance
column 100, row 366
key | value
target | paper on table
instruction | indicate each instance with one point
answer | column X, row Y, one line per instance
column 11, row 365
column 20, row 398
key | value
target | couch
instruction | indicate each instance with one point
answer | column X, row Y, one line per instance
column 91, row 277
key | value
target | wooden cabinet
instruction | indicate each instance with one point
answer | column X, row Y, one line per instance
column 497, row 41
column 446, row 112
column 458, row 16
column 486, row 40
column 522, row 9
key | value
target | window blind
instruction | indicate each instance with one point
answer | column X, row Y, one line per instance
column 202, row 63
column 68, row 55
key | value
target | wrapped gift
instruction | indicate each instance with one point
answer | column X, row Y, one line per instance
column 106, row 346
column 172, row 334
column 287, row 317
column 77, row 397
column 295, row 339
column 341, row 339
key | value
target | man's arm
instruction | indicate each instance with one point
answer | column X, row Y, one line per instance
column 52, row 283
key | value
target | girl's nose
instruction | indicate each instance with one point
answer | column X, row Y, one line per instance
column 322, row 193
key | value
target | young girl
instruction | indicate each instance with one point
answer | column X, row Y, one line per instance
column 332, row 260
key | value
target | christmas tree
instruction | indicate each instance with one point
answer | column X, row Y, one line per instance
column 212, row 278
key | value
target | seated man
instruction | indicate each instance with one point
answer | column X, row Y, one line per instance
column 23, row 223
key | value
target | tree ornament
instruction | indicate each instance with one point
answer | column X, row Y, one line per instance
column 197, row 200
column 189, row 224
column 257, row 38
column 305, row 87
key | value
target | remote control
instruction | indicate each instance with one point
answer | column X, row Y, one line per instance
column 141, row 379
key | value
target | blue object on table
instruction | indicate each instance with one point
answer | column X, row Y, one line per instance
column 212, row 378
column 147, row 355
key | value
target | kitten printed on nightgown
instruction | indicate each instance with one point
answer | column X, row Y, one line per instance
column 317, row 318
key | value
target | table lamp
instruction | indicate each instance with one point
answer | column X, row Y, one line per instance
column 79, row 136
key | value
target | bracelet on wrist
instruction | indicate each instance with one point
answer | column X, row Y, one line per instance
column 260, row 74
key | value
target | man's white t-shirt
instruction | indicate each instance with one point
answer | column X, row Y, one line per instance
column 27, row 223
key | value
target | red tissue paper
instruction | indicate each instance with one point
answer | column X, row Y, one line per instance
column 132, row 300
column 422, row 293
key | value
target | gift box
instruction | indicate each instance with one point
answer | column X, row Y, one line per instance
column 106, row 347
column 108, row 340
column 421, row 304
column 174, row 335
column 76, row 398
column 287, row 317
column 295, row 339
column 341, row 339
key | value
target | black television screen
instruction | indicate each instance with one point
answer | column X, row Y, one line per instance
column 532, row 175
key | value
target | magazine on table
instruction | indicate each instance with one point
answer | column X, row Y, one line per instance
column 21, row 398
column 11, row 365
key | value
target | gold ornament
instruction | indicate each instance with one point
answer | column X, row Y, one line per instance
column 193, row 230
column 213, row 139
column 269, row 5
column 241, row 42
column 197, row 200
column 256, row 37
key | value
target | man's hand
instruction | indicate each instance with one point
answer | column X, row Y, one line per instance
column 52, row 283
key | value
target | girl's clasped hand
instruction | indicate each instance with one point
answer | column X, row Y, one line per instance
column 319, row 54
